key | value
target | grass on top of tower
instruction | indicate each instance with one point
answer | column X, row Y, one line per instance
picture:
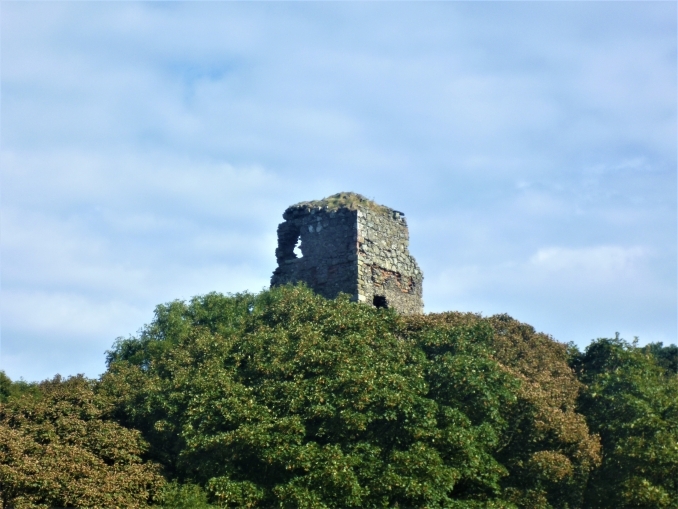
column 351, row 201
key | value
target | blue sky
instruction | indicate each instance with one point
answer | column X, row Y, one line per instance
column 148, row 151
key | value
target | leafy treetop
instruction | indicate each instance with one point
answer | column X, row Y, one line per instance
column 286, row 398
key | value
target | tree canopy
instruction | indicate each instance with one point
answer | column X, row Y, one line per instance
column 286, row 399
column 289, row 399
column 57, row 449
column 630, row 398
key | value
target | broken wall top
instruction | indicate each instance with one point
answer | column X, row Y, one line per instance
column 347, row 200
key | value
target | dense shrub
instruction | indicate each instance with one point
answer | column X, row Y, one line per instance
column 289, row 399
column 286, row 399
column 631, row 400
column 58, row 450
column 546, row 446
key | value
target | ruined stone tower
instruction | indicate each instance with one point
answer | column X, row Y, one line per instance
column 350, row 244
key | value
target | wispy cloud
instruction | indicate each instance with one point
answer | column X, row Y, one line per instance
column 591, row 262
column 149, row 149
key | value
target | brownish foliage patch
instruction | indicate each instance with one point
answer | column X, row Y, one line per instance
column 58, row 450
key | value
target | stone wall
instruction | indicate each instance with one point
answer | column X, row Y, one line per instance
column 326, row 240
column 352, row 245
column 386, row 270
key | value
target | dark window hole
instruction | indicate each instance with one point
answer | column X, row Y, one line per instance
column 380, row 302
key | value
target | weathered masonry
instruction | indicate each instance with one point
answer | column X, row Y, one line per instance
column 350, row 244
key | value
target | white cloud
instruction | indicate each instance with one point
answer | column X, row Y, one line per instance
column 591, row 262
column 70, row 314
column 575, row 294
column 149, row 149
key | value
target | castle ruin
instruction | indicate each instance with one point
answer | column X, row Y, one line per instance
column 350, row 244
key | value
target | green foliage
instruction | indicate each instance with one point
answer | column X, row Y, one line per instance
column 631, row 400
column 5, row 387
column 291, row 400
column 57, row 449
column 545, row 444
column 176, row 320
column 9, row 389
column 665, row 356
column 286, row 399
column 183, row 496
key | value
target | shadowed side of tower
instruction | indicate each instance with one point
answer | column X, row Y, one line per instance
column 350, row 244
